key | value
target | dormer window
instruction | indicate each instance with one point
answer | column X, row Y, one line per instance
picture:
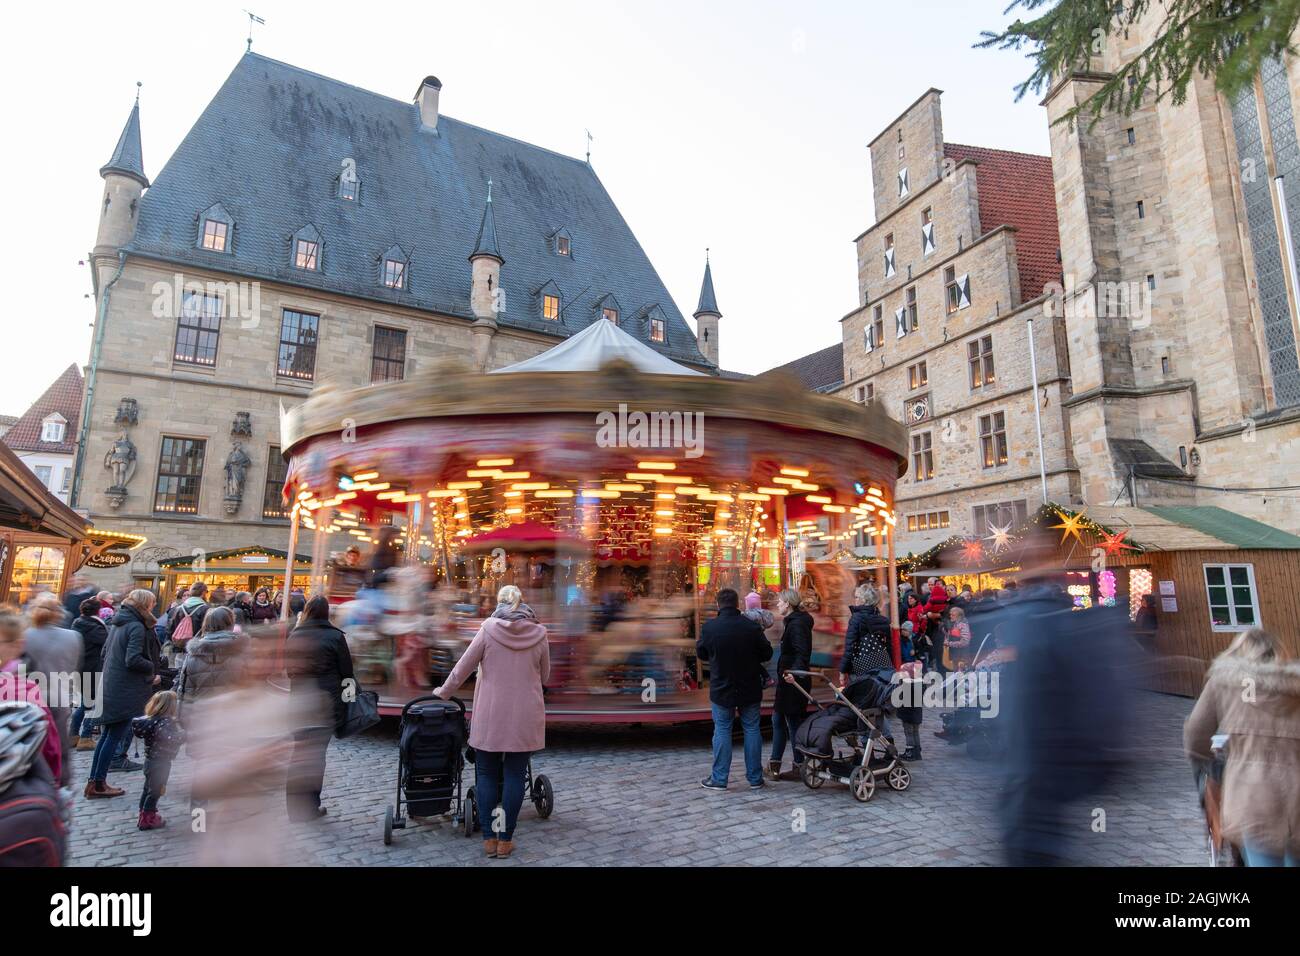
column 394, row 274
column 348, row 184
column 214, row 235
column 305, row 254
column 609, row 314
column 215, row 229
column 54, row 428
column 562, row 245
column 658, row 332
column 393, row 268
column 551, row 307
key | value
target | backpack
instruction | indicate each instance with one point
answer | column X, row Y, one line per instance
column 185, row 629
column 31, row 825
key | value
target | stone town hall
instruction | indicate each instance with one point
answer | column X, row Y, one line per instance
column 308, row 233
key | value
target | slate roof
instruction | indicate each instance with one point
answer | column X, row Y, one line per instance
column 270, row 148
column 1016, row 189
column 64, row 398
column 821, row 371
column 128, row 157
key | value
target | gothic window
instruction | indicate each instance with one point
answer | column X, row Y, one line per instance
column 180, row 475
column 198, row 329
column 922, row 456
column 979, row 356
column 388, row 359
column 993, row 439
column 298, row 333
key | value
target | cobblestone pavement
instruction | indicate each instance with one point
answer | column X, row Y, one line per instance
column 632, row 797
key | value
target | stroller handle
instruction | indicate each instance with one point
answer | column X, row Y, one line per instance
column 428, row 697
column 810, row 674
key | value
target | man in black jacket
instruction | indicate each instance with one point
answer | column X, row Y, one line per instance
column 736, row 650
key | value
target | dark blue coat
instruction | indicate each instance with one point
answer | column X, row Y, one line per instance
column 132, row 657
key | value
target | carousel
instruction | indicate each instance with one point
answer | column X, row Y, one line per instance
column 619, row 490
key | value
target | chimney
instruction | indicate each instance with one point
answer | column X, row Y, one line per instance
column 426, row 97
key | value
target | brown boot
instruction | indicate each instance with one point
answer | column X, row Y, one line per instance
column 774, row 769
column 98, row 789
column 490, row 847
column 85, row 743
column 505, row 848
column 74, row 741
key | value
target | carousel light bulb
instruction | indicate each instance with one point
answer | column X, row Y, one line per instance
column 656, row 466
column 346, row 496
column 805, row 486
column 819, row 500
column 599, row 493
column 366, row 476
column 618, row 486
column 835, row 509
column 554, row 493
column 514, row 494
column 514, row 511
column 495, row 462
column 774, row 491
column 663, row 530
column 531, row 486
column 794, row 472
column 666, row 496
column 483, row 473
column 514, row 475
column 665, row 514
column 724, row 515
column 464, row 485
column 751, row 496
column 462, row 515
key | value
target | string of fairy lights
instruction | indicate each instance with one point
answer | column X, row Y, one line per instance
column 631, row 515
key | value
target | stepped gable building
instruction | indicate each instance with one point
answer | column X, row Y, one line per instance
column 307, row 232
column 45, row 436
column 1178, row 227
column 961, row 255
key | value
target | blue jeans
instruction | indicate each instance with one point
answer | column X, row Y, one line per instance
column 1259, row 858
column 112, row 739
column 723, row 718
column 81, row 725
column 499, row 780
column 783, row 728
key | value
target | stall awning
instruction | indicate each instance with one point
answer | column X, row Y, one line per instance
column 26, row 504
column 252, row 550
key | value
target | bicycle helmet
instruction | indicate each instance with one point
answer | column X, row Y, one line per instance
column 22, row 734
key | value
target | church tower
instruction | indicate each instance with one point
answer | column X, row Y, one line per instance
column 707, row 316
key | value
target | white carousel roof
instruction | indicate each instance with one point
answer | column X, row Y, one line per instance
column 595, row 346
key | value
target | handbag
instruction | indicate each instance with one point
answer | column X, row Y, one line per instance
column 362, row 714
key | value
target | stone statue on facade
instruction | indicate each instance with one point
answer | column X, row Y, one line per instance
column 242, row 425
column 120, row 460
column 237, row 465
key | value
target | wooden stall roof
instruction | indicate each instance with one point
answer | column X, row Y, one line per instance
column 26, row 504
column 186, row 560
column 1192, row 528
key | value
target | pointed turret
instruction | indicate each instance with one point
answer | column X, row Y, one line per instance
column 128, row 157
column 486, row 244
column 707, row 316
column 124, row 184
column 486, row 298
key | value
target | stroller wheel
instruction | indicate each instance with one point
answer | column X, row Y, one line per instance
column 469, row 813
column 808, row 773
column 899, row 777
column 862, row 784
column 388, row 826
column 543, row 795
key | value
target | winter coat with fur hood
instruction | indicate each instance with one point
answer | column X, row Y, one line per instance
column 1257, row 704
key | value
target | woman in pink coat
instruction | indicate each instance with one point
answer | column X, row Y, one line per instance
column 508, row 724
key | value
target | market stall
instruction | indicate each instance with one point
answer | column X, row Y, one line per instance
column 41, row 538
column 620, row 491
column 236, row 569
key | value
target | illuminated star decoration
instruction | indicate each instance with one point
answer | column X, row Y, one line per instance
column 1070, row 525
column 1001, row 538
column 1114, row 544
column 972, row 551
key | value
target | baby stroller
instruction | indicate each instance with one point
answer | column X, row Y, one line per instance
column 430, row 759
column 870, row 756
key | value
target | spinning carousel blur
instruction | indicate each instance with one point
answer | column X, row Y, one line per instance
column 618, row 489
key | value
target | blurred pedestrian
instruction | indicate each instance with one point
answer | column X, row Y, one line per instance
column 790, row 706
column 735, row 648
column 513, row 658
column 17, row 687
column 94, row 635
column 55, row 652
column 215, row 660
column 319, row 666
column 132, row 672
column 1252, row 695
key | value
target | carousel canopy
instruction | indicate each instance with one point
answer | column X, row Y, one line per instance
column 595, row 346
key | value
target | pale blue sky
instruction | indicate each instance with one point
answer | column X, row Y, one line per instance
column 741, row 126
